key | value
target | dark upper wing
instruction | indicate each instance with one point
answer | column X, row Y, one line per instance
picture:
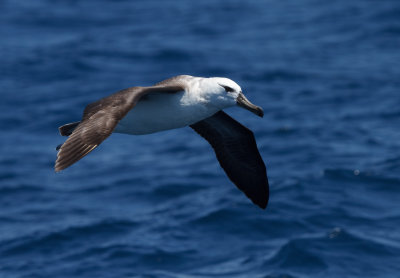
column 237, row 152
column 99, row 120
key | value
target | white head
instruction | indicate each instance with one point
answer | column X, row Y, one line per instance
column 224, row 92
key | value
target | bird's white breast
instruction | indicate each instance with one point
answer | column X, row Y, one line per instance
column 162, row 111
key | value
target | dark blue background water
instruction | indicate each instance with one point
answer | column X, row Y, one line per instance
column 328, row 77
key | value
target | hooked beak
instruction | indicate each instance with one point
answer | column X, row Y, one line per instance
column 242, row 101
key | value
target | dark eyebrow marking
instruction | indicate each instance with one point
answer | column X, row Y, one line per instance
column 227, row 89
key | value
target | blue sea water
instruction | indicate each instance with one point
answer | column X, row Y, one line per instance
column 327, row 74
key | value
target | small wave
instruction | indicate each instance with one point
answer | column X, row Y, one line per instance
column 387, row 15
column 357, row 176
column 277, row 75
column 23, row 189
column 175, row 190
column 389, row 115
column 280, row 275
column 297, row 255
column 216, row 216
column 66, row 238
column 315, row 254
column 174, row 55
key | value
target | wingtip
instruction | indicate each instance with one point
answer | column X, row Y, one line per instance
column 263, row 204
column 261, row 199
column 57, row 168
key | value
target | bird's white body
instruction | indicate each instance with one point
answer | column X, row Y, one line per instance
column 202, row 98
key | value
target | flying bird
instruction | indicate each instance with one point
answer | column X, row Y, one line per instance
column 174, row 103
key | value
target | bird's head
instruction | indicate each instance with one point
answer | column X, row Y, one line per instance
column 228, row 93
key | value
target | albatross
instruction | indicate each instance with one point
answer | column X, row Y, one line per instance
column 174, row 103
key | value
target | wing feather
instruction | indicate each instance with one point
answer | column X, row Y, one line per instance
column 237, row 153
column 100, row 119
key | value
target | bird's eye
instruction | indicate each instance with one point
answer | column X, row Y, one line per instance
column 227, row 89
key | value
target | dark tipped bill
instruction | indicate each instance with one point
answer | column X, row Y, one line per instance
column 242, row 101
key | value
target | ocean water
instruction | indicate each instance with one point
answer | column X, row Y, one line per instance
column 327, row 74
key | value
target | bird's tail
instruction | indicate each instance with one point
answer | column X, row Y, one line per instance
column 67, row 129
